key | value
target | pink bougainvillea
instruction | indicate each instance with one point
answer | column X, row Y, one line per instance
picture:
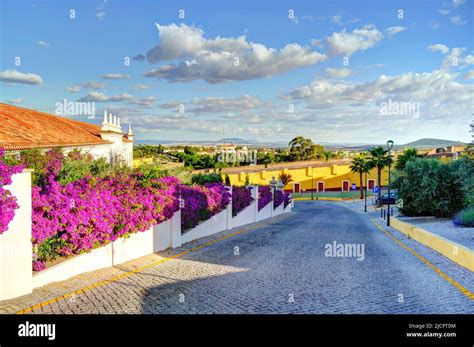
column 264, row 196
column 241, row 198
column 8, row 203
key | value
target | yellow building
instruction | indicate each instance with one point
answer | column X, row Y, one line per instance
column 316, row 176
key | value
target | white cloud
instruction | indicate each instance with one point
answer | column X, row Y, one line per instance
column 115, row 76
column 443, row 12
column 338, row 73
column 438, row 47
column 220, row 105
column 457, row 20
column 93, row 85
column 469, row 75
column 73, row 89
column 141, row 86
column 317, row 43
column 456, row 59
column 358, row 40
column 100, row 14
column 458, row 3
column 14, row 76
column 221, row 59
column 437, row 87
column 336, row 19
column 101, row 97
column 16, row 101
column 43, row 43
column 394, row 30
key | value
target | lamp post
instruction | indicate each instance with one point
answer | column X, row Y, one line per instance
column 389, row 146
column 312, row 182
column 365, row 195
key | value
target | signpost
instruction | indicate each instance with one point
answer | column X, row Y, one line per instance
column 375, row 190
column 354, row 187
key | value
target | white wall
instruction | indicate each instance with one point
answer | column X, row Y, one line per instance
column 16, row 277
column 15, row 244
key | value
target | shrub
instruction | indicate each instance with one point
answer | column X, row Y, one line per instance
column 286, row 199
column 285, row 178
column 203, row 179
column 8, row 203
column 465, row 217
column 264, row 196
column 241, row 198
column 429, row 187
column 202, row 202
column 278, row 198
column 78, row 216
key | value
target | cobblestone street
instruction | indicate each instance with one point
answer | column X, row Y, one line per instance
column 273, row 267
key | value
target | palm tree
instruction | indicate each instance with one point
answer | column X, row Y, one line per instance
column 378, row 159
column 361, row 166
column 407, row 155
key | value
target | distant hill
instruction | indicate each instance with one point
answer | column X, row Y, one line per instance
column 235, row 140
column 431, row 143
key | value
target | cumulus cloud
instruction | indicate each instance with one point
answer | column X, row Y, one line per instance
column 141, row 86
column 457, row 20
column 139, row 57
column 443, row 12
column 221, row 59
column 338, row 73
column 358, row 40
column 336, row 19
column 115, row 76
column 43, row 43
column 14, row 76
column 417, row 87
column 93, row 85
column 101, row 97
column 469, row 75
column 16, row 101
column 458, row 3
column 220, row 105
column 438, row 47
column 455, row 58
column 394, row 30
column 73, row 89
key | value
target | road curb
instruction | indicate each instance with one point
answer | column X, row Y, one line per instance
column 458, row 253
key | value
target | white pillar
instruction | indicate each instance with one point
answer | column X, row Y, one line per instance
column 16, row 255
column 175, row 230
column 229, row 210
column 254, row 190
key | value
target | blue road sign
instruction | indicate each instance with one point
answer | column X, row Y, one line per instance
column 375, row 189
column 354, row 187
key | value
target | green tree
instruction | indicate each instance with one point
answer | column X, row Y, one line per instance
column 304, row 149
column 408, row 154
column 378, row 158
column 428, row 187
column 360, row 165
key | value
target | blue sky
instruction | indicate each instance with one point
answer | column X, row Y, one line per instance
column 290, row 78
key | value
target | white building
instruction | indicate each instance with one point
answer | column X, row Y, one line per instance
column 22, row 128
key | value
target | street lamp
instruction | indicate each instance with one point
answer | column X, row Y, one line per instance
column 389, row 146
column 365, row 193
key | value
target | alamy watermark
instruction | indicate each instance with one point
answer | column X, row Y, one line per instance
column 37, row 330
column 75, row 108
column 400, row 108
column 345, row 250
column 238, row 156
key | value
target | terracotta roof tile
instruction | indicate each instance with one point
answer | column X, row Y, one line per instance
column 21, row 128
